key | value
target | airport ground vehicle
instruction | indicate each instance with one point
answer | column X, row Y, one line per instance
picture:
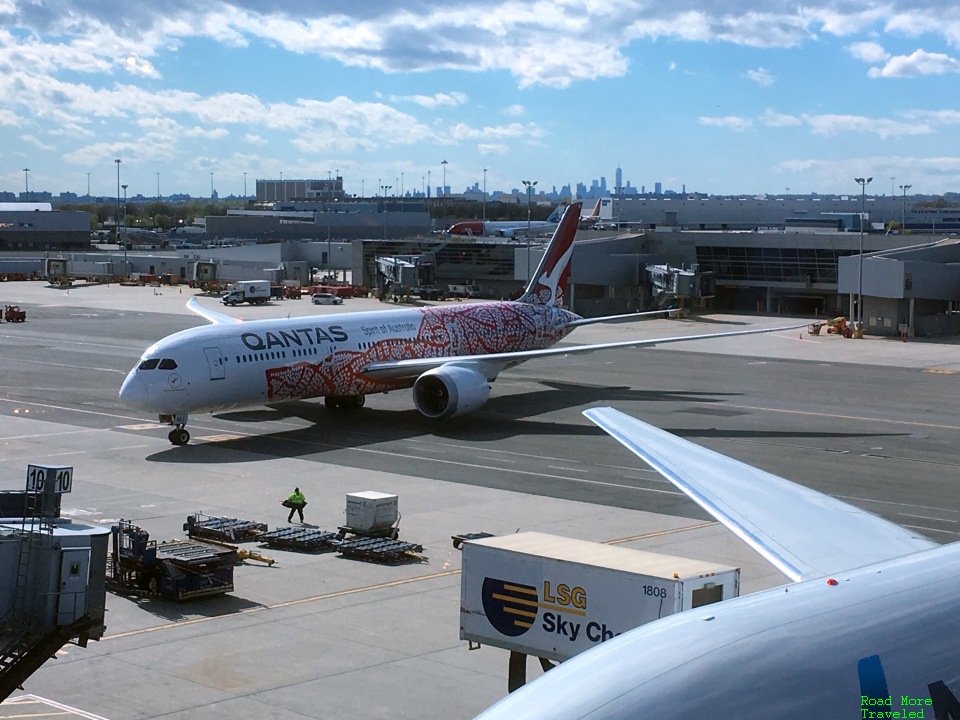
column 255, row 292
column 554, row 597
column 13, row 313
column 176, row 570
column 326, row 299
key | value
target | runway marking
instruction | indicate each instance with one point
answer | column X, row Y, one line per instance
column 224, row 437
column 33, row 699
column 940, row 371
column 491, row 459
column 912, row 423
column 660, row 533
column 366, row 588
column 936, row 530
column 927, row 517
column 140, row 426
column 67, row 409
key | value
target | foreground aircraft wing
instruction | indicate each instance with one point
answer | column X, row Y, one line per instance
column 803, row 533
column 493, row 363
column 217, row 318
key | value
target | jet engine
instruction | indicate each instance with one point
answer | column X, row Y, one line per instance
column 448, row 391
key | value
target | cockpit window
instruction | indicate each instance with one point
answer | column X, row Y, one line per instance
column 149, row 364
column 168, row 364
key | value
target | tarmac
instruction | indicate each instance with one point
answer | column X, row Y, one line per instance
column 872, row 421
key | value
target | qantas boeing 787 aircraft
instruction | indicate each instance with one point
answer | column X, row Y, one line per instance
column 449, row 355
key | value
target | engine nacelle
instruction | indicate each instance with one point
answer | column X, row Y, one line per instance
column 448, row 391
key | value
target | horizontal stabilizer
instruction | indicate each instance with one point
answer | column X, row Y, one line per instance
column 803, row 533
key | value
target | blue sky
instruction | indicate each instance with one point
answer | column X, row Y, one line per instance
column 736, row 97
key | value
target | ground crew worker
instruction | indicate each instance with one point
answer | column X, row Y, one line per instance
column 295, row 502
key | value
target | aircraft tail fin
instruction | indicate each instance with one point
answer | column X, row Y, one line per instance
column 548, row 285
column 557, row 213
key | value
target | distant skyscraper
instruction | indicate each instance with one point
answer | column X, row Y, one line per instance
column 619, row 186
column 658, row 188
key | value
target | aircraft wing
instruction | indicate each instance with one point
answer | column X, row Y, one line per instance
column 626, row 317
column 492, row 363
column 217, row 318
column 803, row 533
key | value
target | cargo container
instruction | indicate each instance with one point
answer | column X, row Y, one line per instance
column 371, row 511
column 554, row 597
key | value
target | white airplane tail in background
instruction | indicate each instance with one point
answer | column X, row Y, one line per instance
column 548, row 285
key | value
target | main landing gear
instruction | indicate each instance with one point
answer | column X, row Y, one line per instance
column 179, row 434
column 344, row 402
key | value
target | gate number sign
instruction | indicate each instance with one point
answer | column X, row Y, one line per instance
column 37, row 476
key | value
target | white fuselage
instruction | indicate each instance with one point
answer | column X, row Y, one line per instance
column 808, row 650
column 226, row 366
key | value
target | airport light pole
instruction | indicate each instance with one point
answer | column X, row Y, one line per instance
column 428, row 184
column 529, row 185
column 116, row 223
column 211, row 186
column 903, row 215
column 26, row 183
column 863, row 204
column 124, row 186
column 88, row 187
column 158, row 187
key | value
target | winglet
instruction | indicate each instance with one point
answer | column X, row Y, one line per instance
column 217, row 318
column 800, row 531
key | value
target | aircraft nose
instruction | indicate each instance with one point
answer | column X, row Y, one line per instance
column 133, row 393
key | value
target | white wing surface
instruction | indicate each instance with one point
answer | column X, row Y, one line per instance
column 217, row 318
column 495, row 362
column 803, row 533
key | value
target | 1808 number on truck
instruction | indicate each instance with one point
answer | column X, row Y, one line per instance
column 654, row 591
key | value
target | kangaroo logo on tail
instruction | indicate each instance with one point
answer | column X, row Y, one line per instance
column 548, row 285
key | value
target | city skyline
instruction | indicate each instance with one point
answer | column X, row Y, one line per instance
column 200, row 99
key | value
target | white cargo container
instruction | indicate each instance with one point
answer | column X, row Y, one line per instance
column 554, row 597
column 370, row 511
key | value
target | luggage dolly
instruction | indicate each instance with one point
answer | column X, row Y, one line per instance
column 391, row 532
column 461, row 538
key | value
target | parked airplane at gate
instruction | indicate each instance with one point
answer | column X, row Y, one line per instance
column 449, row 355
column 866, row 630
column 507, row 228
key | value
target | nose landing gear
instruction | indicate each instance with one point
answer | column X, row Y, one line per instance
column 179, row 434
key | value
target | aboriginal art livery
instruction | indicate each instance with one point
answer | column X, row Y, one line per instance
column 449, row 355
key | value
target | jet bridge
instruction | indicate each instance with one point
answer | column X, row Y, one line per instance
column 670, row 284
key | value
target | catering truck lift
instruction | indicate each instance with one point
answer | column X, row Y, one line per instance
column 553, row 597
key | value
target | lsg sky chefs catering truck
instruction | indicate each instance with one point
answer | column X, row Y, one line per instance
column 255, row 292
column 554, row 597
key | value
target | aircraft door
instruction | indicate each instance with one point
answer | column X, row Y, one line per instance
column 72, row 596
column 218, row 370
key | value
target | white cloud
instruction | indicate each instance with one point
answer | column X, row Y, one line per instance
column 210, row 133
column 868, row 52
column 731, row 122
column 436, row 100
column 492, row 149
column 138, row 66
column 515, row 110
column 9, row 118
column 462, row 131
column 251, row 139
column 882, row 127
column 915, row 65
column 771, row 118
column 760, row 76
column 34, row 141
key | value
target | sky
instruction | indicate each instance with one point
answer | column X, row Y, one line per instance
column 733, row 97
